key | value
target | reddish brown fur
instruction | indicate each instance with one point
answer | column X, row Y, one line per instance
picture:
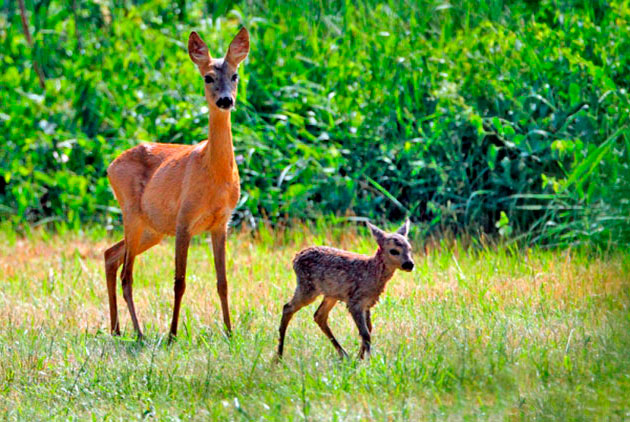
column 357, row 280
column 180, row 190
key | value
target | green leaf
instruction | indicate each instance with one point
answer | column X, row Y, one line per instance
column 574, row 93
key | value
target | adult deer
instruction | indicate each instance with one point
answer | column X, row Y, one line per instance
column 180, row 190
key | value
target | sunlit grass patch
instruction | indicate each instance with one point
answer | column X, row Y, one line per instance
column 477, row 332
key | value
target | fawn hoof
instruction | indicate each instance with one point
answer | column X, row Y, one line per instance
column 364, row 353
column 227, row 324
column 227, row 330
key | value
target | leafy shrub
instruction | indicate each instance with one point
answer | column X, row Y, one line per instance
column 451, row 113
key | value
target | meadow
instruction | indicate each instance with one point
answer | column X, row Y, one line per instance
column 500, row 128
column 477, row 332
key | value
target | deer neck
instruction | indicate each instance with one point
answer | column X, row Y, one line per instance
column 219, row 154
column 383, row 270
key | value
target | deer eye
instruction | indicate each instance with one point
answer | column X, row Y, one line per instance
column 394, row 252
column 209, row 79
column 234, row 77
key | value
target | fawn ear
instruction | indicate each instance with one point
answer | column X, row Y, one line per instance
column 198, row 50
column 404, row 229
column 378, row 234
column 239, row 48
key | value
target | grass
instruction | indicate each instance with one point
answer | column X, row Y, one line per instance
column 477, row 333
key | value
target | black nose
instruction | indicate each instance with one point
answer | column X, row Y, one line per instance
column 225, row 102
column 407, row 266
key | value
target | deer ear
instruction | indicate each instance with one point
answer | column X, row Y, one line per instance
column 239, row 48
column 378, row 234
column 198, row 50
column 404, row 229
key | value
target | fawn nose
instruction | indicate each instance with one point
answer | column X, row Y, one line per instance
column 225, row 102
column 407, row 266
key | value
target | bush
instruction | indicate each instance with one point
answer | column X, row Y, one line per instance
column 451, row 113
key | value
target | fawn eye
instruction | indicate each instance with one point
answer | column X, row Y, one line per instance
column 234, row 77
column 209, row 79
column 394, row 252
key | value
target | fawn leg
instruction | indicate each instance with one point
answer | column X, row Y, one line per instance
column 182, row 241
column 358, row 315
column 368, row 320
column 321, row 318
column 218, row 248
column 301, row 298
column 114, row 257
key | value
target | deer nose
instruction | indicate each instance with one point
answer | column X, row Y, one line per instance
column 225, row 102
column 407, row 266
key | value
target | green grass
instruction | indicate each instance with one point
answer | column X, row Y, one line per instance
column 477, row 333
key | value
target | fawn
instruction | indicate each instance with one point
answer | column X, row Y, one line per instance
column 180, row 190
column 357, row 280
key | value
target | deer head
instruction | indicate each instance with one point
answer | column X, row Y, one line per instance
column 220, row 75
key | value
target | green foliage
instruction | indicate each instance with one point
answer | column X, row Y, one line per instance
column 451, row 113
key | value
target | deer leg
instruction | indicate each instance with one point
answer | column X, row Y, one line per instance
column 321, row 318
column 127, row 287
column 182, row 241
column 358, row 315
column 301, row 298
column 114, row 257
column 136, row 242
column 368, row 320
column 218, row 249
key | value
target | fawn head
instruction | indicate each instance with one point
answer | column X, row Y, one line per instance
column 220, row 75
column 394, row 246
